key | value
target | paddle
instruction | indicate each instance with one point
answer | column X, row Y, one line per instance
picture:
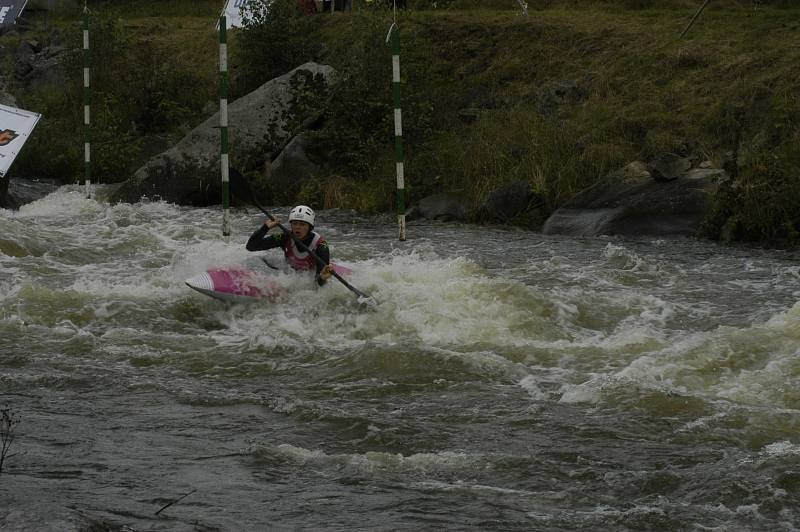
column 241, row 189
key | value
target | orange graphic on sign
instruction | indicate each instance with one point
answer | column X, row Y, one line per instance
column 7, row 135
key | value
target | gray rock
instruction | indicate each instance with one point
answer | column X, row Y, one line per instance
column 581, row 222
column 188, row 173
column 45, row 71
column 22, row 191
column 446, row 206
column 668, row 166
column 652, row 208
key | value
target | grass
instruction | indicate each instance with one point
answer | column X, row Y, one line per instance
column 725, row 90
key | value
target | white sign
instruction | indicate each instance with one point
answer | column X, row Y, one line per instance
column 10, row 10
column 233, row 12
column 15, row 126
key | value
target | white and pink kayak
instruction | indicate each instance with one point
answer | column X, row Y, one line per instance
column 238, row 284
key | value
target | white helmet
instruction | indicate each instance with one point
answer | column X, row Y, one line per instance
column 302, row 213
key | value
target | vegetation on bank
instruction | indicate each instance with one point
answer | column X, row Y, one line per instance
column 559, row 98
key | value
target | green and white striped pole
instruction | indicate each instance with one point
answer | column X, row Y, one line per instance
column 87, row 100
column 223, row 127
column 394, row 35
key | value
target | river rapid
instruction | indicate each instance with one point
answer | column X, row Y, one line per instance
column 506, row 380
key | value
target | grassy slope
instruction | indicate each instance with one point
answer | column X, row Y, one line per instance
column 727, row 89
column 729, row 86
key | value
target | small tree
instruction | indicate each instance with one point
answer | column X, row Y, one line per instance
column 8, row 420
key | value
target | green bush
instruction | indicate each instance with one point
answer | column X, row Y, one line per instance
column 138, row 91
column 276, row 38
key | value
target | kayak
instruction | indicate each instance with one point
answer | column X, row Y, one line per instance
column 239, row 284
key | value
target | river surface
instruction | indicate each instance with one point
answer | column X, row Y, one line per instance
column 506, row 380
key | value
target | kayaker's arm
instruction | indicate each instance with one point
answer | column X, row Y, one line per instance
column 260, row 240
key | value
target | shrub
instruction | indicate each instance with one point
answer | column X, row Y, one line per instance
column 276, row 38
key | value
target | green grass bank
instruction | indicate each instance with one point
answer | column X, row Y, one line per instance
column 559, row 98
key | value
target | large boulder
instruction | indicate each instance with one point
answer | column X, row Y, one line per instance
column 446, row 206
column 189, row 172
column 22, row 191
column 612, row 207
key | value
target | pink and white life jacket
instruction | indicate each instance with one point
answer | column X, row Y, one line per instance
column 302, row 260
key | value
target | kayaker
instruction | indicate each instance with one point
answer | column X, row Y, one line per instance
column 301, row 220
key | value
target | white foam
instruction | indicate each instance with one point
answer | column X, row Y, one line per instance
column 782, row 448
column 375, row 461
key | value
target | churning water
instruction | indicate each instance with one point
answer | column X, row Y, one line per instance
column 505, row 381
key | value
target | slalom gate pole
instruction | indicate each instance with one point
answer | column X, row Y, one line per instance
column 87, row 101
column 394, row 36
column 223, row 127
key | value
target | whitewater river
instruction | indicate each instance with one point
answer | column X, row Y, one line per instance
column 505, row 381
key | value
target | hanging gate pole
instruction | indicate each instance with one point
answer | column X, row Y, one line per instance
column 223, row 127
column 394, row 36
column 87, row 100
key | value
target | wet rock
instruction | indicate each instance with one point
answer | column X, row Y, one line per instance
column 23, row 191
column 446, row 206
column 610, row 207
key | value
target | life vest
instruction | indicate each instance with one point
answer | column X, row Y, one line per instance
column 302, row 260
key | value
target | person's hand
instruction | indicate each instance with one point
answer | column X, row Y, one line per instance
column 326, row 272
column 272, row 223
